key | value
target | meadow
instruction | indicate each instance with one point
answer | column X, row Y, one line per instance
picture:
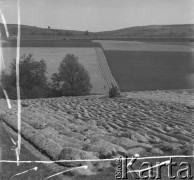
column 54, row 55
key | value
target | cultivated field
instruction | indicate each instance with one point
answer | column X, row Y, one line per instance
column 151, row 70
column 97, row 127
column 51, row 43
column 150, row 65
column 143, row 46
column 53, row 56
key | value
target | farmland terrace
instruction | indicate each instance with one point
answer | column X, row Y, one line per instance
column 97, row 127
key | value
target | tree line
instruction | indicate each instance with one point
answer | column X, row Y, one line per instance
column 72, row 79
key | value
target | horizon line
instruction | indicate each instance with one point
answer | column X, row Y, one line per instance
column 102, row 30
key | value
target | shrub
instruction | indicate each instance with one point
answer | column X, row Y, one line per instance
column 114, row 92
column 72, row 78
column 33, row 80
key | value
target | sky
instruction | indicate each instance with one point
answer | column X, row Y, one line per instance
column 98, row 15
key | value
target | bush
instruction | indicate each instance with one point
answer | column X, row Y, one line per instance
column 114, row 92
column 33, row 80
column 72, row 78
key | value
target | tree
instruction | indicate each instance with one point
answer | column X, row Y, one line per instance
column 72, row 78
column 86, row 33
column 33, row 80
column 114, row 91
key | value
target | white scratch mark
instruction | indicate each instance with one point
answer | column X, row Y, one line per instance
column 4, row 23
column 18, row 85
column 7, row 98
column 13, row 141
column 1, row 58
column 2, row 63
column 9, row 136
column 97, row 160
column 6, row 95
column 0, row 159
column 35, row 169
column 133, row 159
column 85, row 167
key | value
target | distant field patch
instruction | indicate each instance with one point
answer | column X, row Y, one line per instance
column 143, row 46
column 53, row 57
column 51, row 43
column 189, row 44
column 151, row 70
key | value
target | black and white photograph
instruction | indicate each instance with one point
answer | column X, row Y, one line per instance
column 96, row 89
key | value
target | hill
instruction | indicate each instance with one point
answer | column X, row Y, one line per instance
column 183, row 30
column 33, row 32
column 154, row 31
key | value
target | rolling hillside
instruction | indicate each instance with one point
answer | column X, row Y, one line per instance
column 170, row 31
column 184, row 30
column 33, row 32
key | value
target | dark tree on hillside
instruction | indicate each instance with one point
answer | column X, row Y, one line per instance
column 86, row 33
column 72, row 78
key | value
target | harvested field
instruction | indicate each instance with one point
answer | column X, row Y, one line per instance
column 53, row 56
column 97, row 127
column 143, row 46
column 151, row 70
